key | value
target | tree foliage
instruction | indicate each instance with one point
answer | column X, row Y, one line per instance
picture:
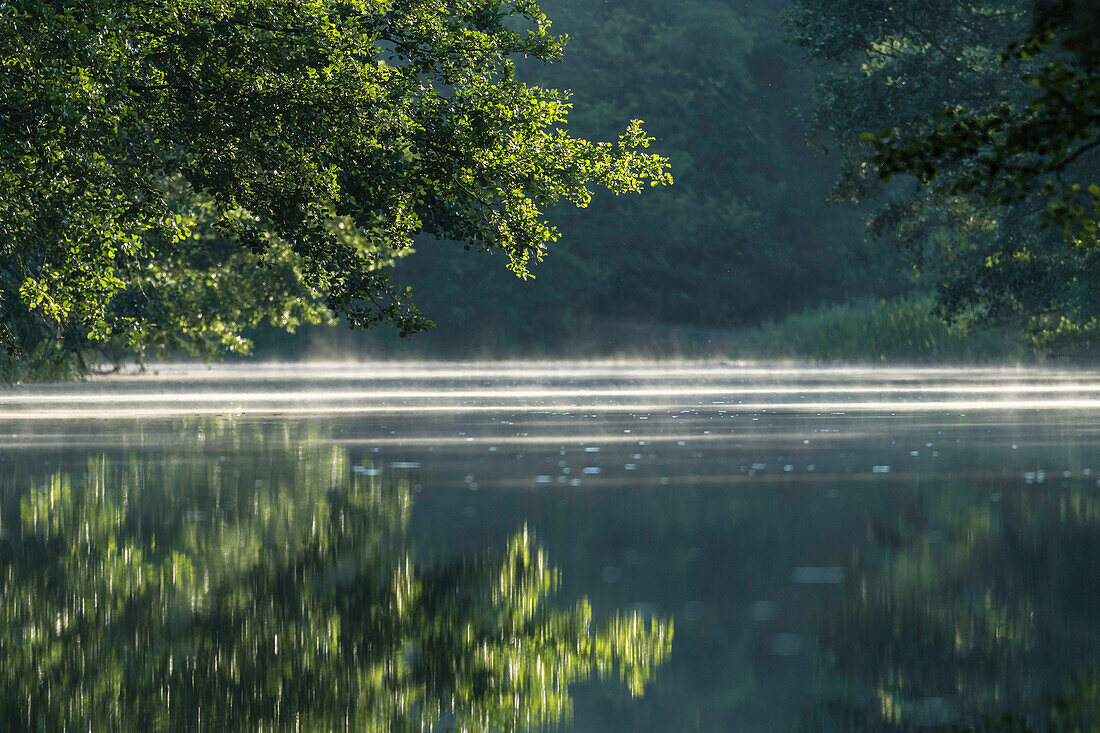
column 992, row 109
column 316, row 138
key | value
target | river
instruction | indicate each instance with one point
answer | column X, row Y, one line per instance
column 596, row 546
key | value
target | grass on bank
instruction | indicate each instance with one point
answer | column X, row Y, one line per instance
column 897, row 330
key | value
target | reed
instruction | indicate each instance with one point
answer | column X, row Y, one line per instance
column 902, row 329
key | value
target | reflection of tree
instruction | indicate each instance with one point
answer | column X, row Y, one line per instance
column 272, row 589
column 968, row 608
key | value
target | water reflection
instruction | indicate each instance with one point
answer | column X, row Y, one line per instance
column 252, row 578
column 972, row 606
column 879, row 571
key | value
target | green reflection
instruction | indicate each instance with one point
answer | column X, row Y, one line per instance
column 971, row 607
column 273, row 587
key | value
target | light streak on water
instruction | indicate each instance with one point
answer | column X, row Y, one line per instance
column 836, row 408
column 523, row 393
column 427, row 388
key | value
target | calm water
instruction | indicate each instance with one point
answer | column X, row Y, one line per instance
column 592, row 546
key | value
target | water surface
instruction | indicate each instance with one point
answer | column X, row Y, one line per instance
column 595, row 546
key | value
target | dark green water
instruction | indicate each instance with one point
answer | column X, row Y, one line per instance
column 596, row 548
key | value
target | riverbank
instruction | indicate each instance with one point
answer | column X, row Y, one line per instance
column 898, row 331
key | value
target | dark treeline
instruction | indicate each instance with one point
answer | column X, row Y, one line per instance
column 784, row 125
column 745, row 234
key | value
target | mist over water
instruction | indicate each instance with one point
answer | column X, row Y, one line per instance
column 540, row 386
column 752, row 546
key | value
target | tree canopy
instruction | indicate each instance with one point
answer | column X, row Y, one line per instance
column 992, row 109
column 156, row 158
